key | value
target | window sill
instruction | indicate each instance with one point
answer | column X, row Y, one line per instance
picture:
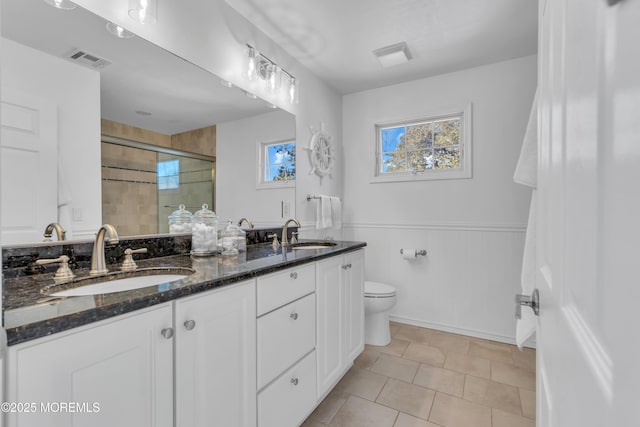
column 424, row 176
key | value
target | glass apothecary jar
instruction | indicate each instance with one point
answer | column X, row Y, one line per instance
column 234, row 239
column 180, row 221
column 204, row 232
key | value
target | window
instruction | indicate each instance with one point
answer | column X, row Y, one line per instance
column 435, row 147
column 277, row 164
column 168, row 173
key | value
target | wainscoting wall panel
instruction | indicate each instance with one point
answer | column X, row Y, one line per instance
column 465, row 284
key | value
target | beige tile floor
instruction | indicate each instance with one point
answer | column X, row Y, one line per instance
column 427, row 378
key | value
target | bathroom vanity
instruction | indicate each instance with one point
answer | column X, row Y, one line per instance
column 254, row 340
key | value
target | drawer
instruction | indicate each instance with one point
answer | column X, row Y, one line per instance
column 291, row 397
column 284, row 336
column 278, row 289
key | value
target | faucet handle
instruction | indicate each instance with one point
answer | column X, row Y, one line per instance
column 129, row 264
column 275, row 242
column 63, row 273
column 294, row 235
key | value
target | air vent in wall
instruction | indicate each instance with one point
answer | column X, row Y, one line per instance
column 87, row 59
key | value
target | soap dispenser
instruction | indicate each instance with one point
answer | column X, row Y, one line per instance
column 204, row 234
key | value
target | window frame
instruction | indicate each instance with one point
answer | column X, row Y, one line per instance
column 465, row 170
column 261, row 146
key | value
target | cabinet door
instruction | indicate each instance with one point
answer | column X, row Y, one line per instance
column 118, row 373
column 216, row 358
column 330, row 301
column 353, row 305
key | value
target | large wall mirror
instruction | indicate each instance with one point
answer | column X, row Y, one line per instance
column 76, row 100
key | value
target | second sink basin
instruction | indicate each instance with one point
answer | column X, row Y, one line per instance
column 120, row 285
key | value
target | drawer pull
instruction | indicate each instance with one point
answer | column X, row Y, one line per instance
column 294, row 275
column 189, row 324
column 294, row 381
column 294, row 315
column 167, row 333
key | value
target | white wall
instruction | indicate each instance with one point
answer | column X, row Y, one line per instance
column 76, row 92
column 236, row 177
column 473, row 229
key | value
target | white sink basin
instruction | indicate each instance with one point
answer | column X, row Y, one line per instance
column 126, row 284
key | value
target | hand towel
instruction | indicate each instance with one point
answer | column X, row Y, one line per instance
column 526, row 173
column 323, row 213
column 336, row 212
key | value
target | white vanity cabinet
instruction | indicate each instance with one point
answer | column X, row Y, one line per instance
column 340, row 306
column 286, row 341
column 215, row 357
column 117, row 372
column 199, row 350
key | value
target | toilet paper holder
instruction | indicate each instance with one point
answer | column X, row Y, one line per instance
column 421, row 252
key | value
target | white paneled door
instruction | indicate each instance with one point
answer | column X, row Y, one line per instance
column 588, row 213
column 29, row 144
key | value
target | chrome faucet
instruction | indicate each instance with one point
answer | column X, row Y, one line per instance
column 284, row 230
column 98, row 263
column 245, row 220
column 48, row 232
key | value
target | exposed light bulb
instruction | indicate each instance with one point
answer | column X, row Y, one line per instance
column 144, row 11
column 252, row 65
column 273, row 81
column 293, row 91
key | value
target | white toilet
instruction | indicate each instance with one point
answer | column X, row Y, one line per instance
column 379, row 298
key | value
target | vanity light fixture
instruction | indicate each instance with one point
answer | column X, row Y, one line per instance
column 118, row 31
column 261, row 67
column 144, row 11
column 394, row 54
column 61, row 4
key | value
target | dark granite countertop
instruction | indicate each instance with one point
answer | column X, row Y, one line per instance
column 30, row 312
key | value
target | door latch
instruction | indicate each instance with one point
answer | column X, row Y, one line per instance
column 532, row 301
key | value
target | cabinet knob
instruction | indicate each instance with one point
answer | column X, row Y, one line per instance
column 346, row 266
column 294, row 275
column 294, row 381
column 189, row 324
column 167, row 333
column 294, row 315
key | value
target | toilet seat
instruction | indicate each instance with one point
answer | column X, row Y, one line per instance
column 378, row 290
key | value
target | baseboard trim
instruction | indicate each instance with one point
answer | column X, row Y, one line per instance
column 531, row 343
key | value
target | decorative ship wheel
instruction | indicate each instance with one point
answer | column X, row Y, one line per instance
column 321, row 152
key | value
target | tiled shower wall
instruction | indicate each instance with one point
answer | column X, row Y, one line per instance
column 129, row 191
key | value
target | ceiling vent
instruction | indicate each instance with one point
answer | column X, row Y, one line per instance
column 87, row 59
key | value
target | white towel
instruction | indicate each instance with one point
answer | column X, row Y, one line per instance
column 336, row 212
column 526, row 173
column 323, row 213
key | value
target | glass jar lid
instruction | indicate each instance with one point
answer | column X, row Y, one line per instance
column 204, row 213
column 181, row 214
